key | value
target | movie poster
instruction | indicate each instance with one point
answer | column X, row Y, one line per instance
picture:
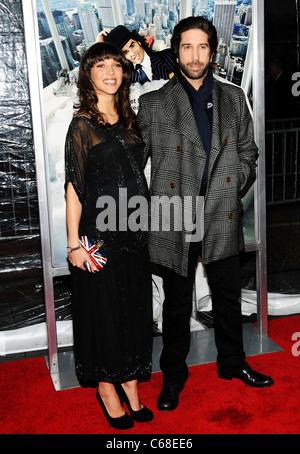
column 68, row 27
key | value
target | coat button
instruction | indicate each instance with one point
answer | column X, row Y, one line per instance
column 225, row 142
column 172, row 185
column 230, row 216
column 178, row 148
column 228, row 179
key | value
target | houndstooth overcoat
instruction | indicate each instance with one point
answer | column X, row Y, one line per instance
column 172, row 140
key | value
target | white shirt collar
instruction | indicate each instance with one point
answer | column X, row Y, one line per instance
column 146, row 65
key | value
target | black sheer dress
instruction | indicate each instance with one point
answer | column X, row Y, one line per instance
column 112, row 308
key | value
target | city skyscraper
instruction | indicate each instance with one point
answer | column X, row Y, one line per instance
column 140, row 8
column 110, row 13
column 185, row 9
column 224, row 19
column 88, row 22
column 63, row 27
column 248, row 18
column 130, row 7
column 50, row 60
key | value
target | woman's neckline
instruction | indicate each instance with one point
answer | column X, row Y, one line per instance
column 99, row 124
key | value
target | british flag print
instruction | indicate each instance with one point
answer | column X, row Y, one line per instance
column 96, row 256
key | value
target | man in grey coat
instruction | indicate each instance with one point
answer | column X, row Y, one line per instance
column 198, row 132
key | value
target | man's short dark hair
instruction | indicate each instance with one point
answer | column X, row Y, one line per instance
column 195, row 22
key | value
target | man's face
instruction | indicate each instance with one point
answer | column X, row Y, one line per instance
column 194, row 56
column 133, row 51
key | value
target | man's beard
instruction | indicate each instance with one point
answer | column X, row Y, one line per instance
column 194, row 74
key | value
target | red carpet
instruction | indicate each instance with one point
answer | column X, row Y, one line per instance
column 208, row 405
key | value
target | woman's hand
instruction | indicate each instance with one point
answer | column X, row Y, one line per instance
column 78, row 257
column 73, row 213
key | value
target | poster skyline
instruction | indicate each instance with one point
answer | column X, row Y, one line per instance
column 59, row 95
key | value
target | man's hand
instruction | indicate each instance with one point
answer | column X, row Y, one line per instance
column 100, row 37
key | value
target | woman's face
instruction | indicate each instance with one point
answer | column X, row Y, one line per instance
column 107, row 76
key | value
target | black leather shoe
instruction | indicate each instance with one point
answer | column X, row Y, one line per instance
column 168, row 399
column 249, row 376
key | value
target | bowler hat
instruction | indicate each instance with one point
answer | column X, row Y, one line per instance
column 119, row 36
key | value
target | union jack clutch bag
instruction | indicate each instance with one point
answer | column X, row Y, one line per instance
column 97, row 257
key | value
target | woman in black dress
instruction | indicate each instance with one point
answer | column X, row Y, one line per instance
column 112, row 308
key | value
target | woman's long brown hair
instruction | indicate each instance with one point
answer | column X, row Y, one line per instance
column 88, row 100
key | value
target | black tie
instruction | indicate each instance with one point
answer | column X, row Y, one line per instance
column 142, row 76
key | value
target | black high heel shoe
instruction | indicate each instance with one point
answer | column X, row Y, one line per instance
column 122, row 423
column 142, row 415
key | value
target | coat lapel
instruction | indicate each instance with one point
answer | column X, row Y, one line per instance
column 222, row 113
column 179, row 112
